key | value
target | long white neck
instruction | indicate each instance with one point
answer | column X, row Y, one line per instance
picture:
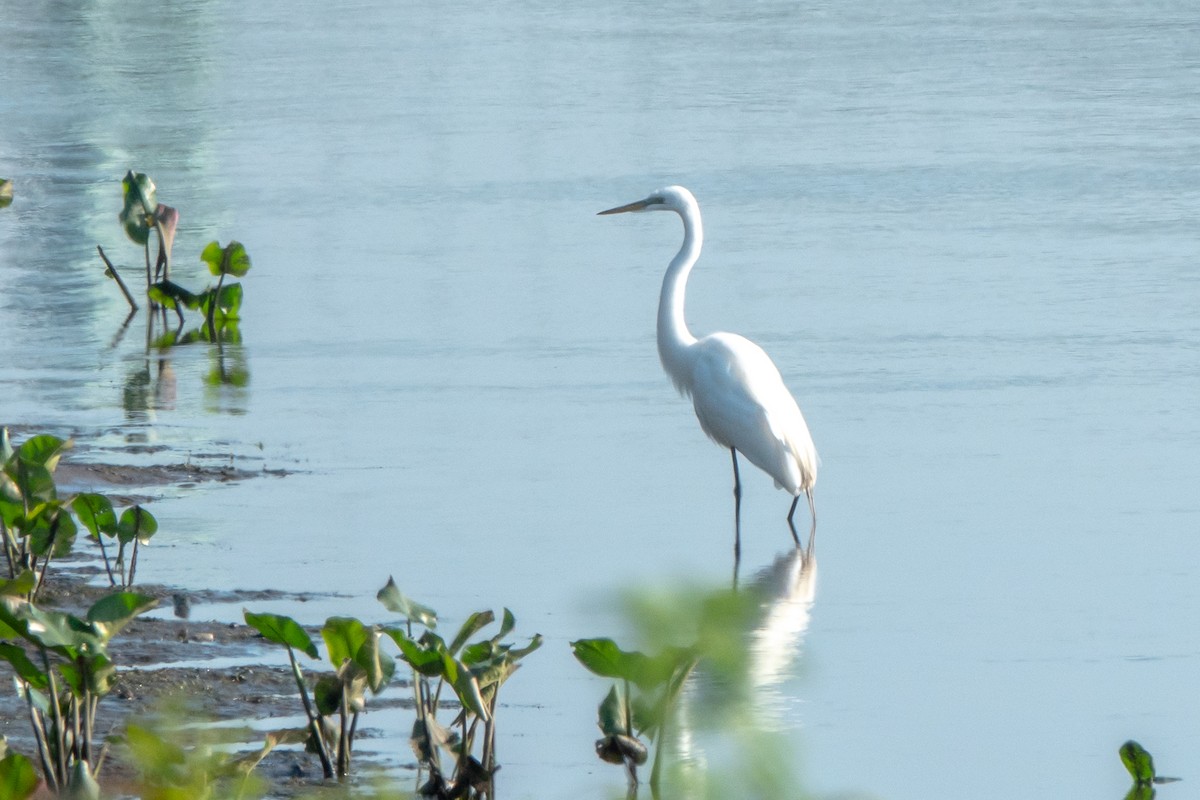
column 674, row 338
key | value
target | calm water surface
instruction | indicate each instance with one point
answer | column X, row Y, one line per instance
column 966, row 235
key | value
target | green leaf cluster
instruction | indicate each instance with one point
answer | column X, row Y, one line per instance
column 220, row 305
column 472, row 665
column 71, row 672
column 37, row 525
column 359, row 665
column 684, row 629
column 141, row 214
column 624, row 715
column 134, row 527
column 475, row 671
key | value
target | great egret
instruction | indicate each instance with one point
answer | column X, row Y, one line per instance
column 737, row 391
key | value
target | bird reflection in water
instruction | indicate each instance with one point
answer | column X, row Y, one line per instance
column 777, row 604
column 787, row 589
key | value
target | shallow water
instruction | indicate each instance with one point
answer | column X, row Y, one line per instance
column 966, row 235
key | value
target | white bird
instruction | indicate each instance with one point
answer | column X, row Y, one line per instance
column 737, row 391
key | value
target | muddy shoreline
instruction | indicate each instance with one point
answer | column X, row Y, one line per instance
column 222, row 673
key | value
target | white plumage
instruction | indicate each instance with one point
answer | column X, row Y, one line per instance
column 741, row 402
column 738, row 393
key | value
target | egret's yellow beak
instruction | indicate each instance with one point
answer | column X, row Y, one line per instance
column 638, row 206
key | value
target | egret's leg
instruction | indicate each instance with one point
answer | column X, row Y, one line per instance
column 737, row 512
column 812, row 509
column 792, row 525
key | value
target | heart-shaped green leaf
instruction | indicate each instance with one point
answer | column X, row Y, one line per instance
column 605, row 658
column 96, row 513
column 343, row 637
column 113, row 612
column 282, row 630
column 397, row 603
column 136, row 523
column 140, row 203
column 472, row 625
column 231, row 259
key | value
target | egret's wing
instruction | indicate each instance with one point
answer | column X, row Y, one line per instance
column 742, row 402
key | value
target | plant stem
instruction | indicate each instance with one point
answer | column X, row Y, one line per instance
column 49, row 554
column 84, row 731
column 314, row 723
column 489, row 755
column 90, row 725
column 121, row 564
column 658, row 743
column 111, row 271
column 132, row 563
column 100, row 759
column 628, row 711
column 212, row 307
column 10, row 547
column 343, row 751
column 107, row 566
column 162, row 250
column 37, row 587
column 420, row 693
column 464, row 750
column 43, row 744
column 59, row 734
column 76, row 740
column 490, row 741
column 149, row 279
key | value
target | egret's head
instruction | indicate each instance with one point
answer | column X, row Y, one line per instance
column 670, row 198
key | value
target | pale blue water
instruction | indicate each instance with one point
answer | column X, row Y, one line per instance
column 966, row 235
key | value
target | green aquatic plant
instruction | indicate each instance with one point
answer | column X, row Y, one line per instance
column 359, row 665
column 625, row 716
column 690, row 678
column 35, row 523
column 338, row 698
column 38, row 526
column 141, row 214
column 62, row 669
column 474, row 671
column 220, row 305
column 289, row 633
column 1140, row 764
column 223, row 302
column 6, row 192
column 132, row 528
column 460, row 755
